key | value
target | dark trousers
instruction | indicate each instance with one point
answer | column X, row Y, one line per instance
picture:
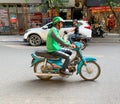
column 65, row 54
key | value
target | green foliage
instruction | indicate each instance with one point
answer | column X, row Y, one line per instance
column 113, row 3
column 26, row 1
column 54, row 3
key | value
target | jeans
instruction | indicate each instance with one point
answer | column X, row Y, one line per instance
column 72, row 37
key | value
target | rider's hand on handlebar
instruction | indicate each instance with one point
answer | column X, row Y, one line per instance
column 72, row 46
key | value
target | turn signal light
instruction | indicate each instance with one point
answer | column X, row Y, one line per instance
column 88, row 27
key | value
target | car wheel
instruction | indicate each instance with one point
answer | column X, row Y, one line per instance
column 35, row 40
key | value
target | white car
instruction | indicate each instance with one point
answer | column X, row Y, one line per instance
column 36, row 36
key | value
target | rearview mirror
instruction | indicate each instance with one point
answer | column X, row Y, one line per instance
column 45, row 27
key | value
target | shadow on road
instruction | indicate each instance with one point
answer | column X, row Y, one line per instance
column 57, row 83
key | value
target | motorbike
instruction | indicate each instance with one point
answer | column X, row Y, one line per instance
column 43, row 65
column 98, row 31
column 79, row 38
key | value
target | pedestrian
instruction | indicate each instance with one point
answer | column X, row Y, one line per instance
column 1, row 26
column 91, row 21
column 110, row 22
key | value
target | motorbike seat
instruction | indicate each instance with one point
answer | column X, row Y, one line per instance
column 44, row 53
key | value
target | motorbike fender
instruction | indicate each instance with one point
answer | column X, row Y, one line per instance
column 80, row 64
column 36, row 59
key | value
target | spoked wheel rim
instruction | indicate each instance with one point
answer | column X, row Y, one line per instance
column 38, row 68
column 34, row 40
column 91, row 72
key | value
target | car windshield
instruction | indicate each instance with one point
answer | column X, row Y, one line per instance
column 67, row 24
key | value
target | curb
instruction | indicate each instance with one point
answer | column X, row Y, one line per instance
column 108, row 40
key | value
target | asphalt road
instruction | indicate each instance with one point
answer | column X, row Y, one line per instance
column 19, row 85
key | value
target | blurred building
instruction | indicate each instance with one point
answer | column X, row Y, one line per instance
column 18, row 15
column 100, row 12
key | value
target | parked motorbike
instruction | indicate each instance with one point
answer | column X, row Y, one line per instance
column 43, row 64
column 98, row 31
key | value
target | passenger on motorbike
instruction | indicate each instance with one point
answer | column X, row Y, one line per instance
column 53, row 43
column 75, row 29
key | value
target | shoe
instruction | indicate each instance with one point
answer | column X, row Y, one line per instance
column 65, row 72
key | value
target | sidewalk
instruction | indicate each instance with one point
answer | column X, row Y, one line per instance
column 11, row 38
column 109, row 38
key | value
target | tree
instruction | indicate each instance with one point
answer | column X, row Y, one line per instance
column 53, row 4
column 25, row 15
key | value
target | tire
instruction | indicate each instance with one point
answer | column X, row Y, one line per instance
column 84, row 44
column 35, row 40
column 102, row 34
column 94, row 71
column 38, row 69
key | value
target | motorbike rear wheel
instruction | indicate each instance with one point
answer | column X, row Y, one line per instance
column 39, row 68
column 91, row 71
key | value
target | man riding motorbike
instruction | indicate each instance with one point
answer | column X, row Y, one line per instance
column 75, row 29
column 53, row 44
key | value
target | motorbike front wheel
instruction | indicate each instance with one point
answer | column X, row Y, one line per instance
column 90, row 71
column 39, row 68
column 84, row 44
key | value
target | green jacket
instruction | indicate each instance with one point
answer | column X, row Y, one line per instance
column 54, row 40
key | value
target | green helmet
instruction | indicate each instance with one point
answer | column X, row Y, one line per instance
column 57, row 19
